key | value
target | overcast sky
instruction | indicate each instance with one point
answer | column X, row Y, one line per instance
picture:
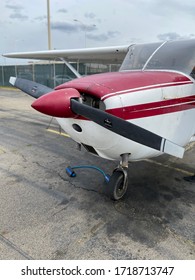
column 23, row 23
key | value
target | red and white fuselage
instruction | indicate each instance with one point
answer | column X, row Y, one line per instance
column 162, row 102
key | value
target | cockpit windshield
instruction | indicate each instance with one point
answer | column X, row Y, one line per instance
column 171, row 55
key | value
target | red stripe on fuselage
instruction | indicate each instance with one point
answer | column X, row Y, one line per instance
column 154, row 108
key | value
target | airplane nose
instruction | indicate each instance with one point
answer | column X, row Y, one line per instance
column 56, row 103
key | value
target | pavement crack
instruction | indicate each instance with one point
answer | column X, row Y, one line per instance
column 75, row 186
column 14, row 247
column 180, row 238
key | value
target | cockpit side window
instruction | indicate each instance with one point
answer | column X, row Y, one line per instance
column 138, row 55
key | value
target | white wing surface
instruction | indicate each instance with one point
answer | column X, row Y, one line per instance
column 113, row 54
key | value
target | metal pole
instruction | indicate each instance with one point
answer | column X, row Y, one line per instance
column 48, row 25
column 85, row 30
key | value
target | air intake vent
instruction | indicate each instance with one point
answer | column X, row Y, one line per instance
column 90, row 149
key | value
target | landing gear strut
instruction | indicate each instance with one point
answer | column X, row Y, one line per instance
column 118, row 183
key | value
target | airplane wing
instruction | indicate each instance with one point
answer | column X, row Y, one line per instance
column 114, row 54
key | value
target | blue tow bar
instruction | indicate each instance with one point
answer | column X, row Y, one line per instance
column 71, row 173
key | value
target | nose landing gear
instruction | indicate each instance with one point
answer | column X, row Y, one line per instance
column 117, row 186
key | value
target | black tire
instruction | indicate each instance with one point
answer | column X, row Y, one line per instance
column 116, row 189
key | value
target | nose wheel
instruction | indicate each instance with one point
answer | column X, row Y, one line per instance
column 118, row 183
column 117, row 186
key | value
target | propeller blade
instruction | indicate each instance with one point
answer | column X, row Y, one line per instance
column 31, row 88
column 127, row 129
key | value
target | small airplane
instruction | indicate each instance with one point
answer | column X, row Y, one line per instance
column 144, row 110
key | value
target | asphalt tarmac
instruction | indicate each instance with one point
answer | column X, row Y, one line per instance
column 44, row 214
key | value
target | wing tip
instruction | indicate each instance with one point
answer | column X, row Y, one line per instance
column 12, row 81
